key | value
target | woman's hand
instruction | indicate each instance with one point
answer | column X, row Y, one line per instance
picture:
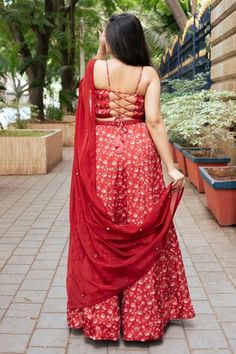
column 102, row 45
column 178, row 178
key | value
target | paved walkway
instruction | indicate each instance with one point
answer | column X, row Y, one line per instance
column 34, row 231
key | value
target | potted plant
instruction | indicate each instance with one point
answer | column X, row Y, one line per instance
column 220, row 188
column 195, row 118
column 178, row 114
column 218, row 112
column 179, row 100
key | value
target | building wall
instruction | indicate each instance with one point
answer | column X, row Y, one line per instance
column 223, row 44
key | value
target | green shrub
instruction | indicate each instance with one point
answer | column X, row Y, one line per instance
column 54, row 113
column 20, row 123
column 192, row 119
column 180, row 87
column 25, row 133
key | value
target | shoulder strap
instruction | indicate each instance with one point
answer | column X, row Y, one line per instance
column 139, row 79
column 109, row 81
column 108, row 77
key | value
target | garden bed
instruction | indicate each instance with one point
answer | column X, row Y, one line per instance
column 223, row 173
column 21, row 132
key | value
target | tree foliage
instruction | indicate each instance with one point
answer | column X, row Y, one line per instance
column 192, row 115
column 53, row 37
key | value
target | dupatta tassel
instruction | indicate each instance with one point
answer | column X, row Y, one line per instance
column 118, row 143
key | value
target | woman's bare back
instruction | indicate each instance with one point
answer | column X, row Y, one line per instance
column 123, row 77
column 125, row 83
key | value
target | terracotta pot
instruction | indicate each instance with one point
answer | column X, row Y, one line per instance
column 181, row 158
column 193, row 162
column 221, row 193
column 173, row 151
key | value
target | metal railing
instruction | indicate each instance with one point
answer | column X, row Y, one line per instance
column 190, row 52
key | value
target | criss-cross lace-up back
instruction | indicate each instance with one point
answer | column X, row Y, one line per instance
column 125, row 108
column 120, row 105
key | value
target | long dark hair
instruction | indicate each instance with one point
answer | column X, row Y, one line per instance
column 125, row 36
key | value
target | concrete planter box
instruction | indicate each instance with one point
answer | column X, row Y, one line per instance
column 26, row 155
column 68, row 129
column 220, row 187
column 194, row 161
column 69, row 118
column 181, row 158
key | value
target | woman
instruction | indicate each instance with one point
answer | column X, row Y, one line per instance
column 125, row 270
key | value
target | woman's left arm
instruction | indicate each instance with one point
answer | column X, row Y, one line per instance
column 157, row 128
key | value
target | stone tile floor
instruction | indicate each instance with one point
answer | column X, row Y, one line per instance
column 33, row 253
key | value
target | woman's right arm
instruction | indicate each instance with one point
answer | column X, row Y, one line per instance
column 101, row 52
column 156, row 127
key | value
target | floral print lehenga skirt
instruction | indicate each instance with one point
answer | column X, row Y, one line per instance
column 130, row 181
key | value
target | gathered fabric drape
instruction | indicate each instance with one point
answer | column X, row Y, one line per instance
column 104, row 257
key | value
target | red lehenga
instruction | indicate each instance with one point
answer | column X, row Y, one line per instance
column 125, row 268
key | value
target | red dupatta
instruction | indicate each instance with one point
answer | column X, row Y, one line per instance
column 104, row 258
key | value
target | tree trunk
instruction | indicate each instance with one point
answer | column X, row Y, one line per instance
column 36, row 70
column 177, row 13
column 67, row 83
column 36, row 100
column 67, row 48
column 194, row 7
column 35, row 96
